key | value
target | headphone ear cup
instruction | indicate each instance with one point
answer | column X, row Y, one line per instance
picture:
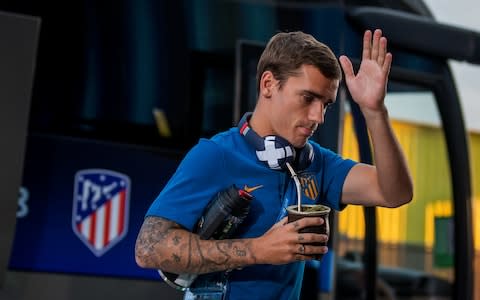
column 289, row 154
column 275, row 151
column 305, row 157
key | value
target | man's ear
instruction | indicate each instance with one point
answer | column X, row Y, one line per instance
column 267, row 83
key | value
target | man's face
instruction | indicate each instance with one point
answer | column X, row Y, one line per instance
column 299, row 106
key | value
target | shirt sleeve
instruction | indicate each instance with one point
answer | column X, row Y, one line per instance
column 334, row 171
column 192, row 186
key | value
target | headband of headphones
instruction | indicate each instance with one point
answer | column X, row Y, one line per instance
column 275, row 151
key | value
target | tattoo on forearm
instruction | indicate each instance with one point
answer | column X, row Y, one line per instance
column 185, row 252
column 176, row 240
column 176, row 258
column 154, row 231
column 240, row 252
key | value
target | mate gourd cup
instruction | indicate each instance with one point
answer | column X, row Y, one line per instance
column 311, row 210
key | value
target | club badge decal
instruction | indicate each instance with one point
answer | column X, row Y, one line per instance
column 100, row 208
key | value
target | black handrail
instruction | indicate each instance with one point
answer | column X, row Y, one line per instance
column 370, row 257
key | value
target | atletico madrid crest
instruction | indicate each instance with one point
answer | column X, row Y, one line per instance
column 309, row 186
column 100, row 208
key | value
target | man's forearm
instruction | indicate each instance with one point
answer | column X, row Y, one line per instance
column 393, row 175
column 162, row 244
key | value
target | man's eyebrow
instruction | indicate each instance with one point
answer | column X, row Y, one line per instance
column 312, row 93
column 316, row 95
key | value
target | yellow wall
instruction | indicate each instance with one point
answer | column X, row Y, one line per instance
column 475, row 161
column 426, row 154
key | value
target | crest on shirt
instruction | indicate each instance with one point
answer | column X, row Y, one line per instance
column 309, row 185
column 100, row 208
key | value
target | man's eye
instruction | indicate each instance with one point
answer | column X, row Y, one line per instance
column 308, row 98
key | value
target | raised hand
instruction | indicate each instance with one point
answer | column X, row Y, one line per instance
column 368, row 86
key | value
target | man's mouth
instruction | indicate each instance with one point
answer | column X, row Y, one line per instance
column 307, row 131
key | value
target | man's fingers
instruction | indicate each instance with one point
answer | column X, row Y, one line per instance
column 376, row 44
column 301, row 249
column 306, row 222
column 382, row 51
column 307, row 252
column 312, row 238
column 346, row 66
column 367, row 45
column 387, row 63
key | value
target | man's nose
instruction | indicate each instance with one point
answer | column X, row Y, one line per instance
column 317, row 112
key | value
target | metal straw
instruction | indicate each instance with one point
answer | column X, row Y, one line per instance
column 297, row 185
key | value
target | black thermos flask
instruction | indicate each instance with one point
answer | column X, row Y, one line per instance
column 223, row 214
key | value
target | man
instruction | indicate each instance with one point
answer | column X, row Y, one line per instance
column 298, row 78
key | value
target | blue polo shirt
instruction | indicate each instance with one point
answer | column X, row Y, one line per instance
column 214, row 164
